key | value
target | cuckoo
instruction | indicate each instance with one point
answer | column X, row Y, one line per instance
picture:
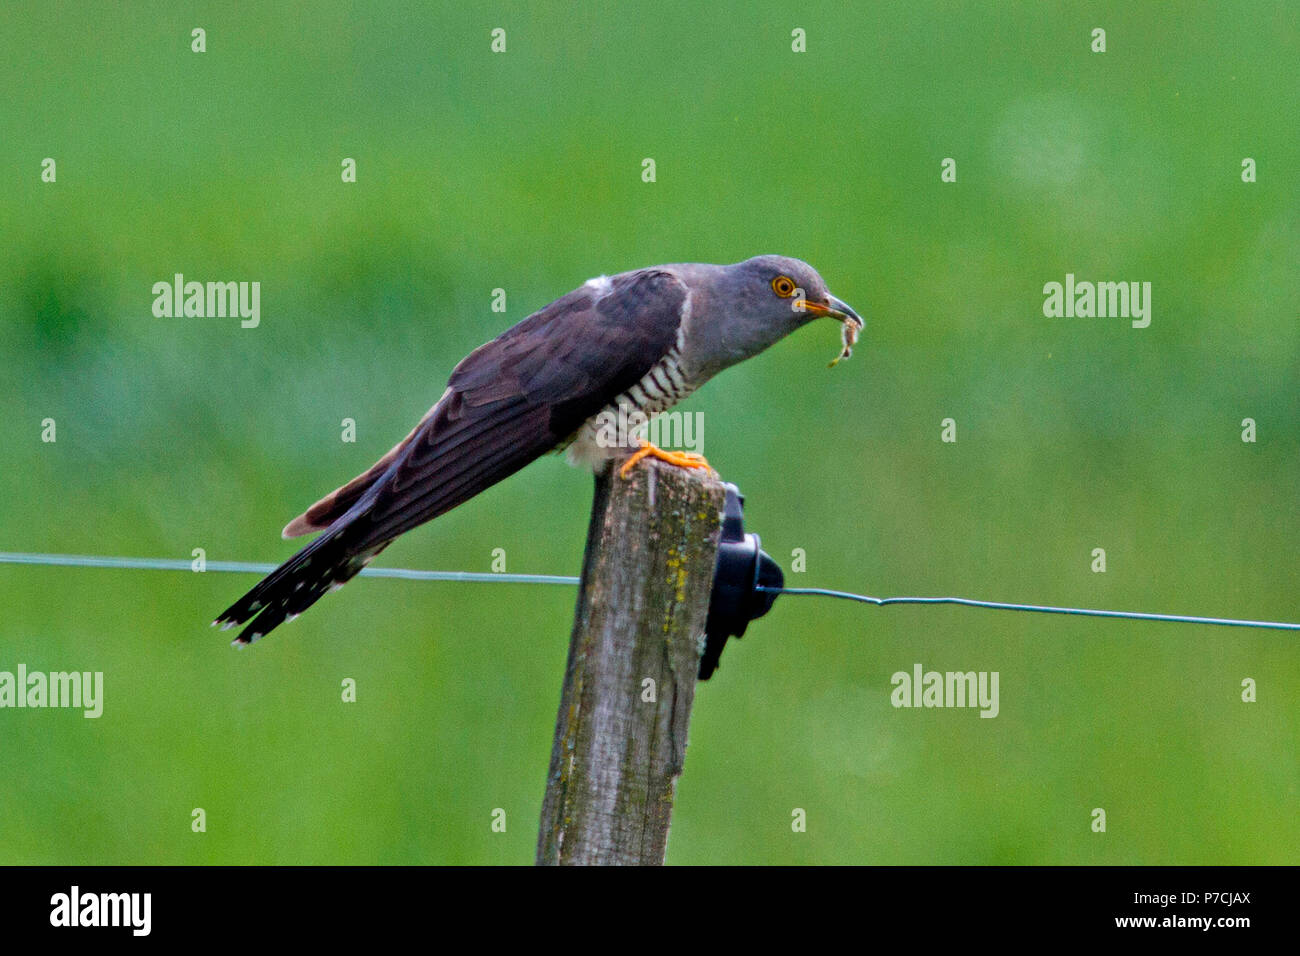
column 638, row 341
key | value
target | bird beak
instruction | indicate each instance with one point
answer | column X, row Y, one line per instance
column 833, row 308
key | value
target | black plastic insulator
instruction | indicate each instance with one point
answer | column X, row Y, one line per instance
column 743, row 567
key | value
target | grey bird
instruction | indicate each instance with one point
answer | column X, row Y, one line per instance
column 639, row 341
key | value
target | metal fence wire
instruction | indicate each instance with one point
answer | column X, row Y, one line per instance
column 477, row 577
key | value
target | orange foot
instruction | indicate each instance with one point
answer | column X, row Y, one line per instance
column 682, row 459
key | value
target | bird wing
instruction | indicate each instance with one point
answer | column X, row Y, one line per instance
column 512, row 400
column 509, row 402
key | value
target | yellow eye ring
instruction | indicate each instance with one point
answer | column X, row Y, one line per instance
column 783, row 286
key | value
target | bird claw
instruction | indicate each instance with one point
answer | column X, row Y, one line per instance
column 681, row 459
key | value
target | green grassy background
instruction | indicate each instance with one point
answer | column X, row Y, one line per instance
column 522, row 171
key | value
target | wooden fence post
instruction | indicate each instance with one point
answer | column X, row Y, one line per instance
column 620, row 737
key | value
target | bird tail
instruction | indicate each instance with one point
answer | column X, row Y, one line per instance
column 323, row 566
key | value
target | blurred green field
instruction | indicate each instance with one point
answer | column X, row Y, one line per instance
column 522, row 171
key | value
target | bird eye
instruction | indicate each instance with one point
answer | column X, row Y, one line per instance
column 783, row 286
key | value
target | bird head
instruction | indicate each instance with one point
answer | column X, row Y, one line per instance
column 766, row 298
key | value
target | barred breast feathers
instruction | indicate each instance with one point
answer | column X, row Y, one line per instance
column 659, row 389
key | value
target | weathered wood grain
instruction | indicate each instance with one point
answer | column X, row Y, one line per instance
column 620, row 736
